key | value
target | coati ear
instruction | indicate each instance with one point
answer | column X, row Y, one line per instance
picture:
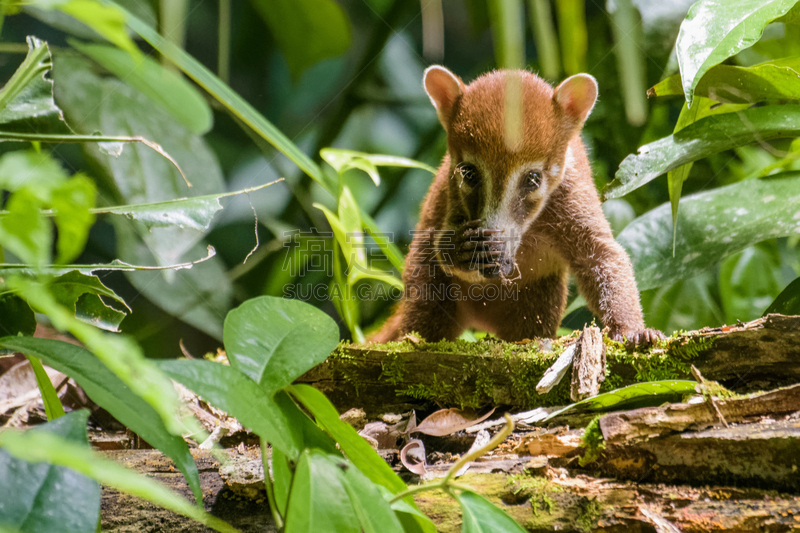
column 576, row 95
column 443, row 88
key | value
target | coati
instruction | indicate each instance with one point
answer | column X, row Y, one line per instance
column 504, row 222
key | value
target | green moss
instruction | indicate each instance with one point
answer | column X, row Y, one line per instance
column 592, row 441
column 588, row 514
column 536, row 489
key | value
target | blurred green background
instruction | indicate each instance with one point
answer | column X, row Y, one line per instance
column 347, row 74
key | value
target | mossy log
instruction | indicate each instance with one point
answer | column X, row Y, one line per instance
column 760, row 354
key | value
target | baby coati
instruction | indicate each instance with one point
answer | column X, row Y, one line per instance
column 505, row 220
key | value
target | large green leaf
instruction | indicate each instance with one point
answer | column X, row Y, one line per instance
column 778, row 79
column 713, row 225
column 275, row 340
column 714, row 30
column 37, row 497
column 318, row 501
column 631, row 397
column 119, row 353
column 479, row 515
column 788, row 301
column 44, row 447
column 374, row 513
column 195, row 212
column 306, row 31
column 200, row 296
column 162, row 86
column 113, row 395
column 708, row 136
column 81, row 292
column 235, row 393
column 26, row 100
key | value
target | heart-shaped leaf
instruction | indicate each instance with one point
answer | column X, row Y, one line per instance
column 275, row 340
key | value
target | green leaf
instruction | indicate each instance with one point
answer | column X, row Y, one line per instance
column 714, row 30
column 24, row 231
column 318, row 501
column 71, row 203
column 108, row 20
column 113, row 395
column 39, row 497
column 39, row 447
column 228, row 98
column 163, row 86
column 26, row 100
column 234, row 392
column 275, row 340
column 788, row 301
column 344, row 160
column 631, row 397
column 352, row 444
column 748, row 283
column 702, row 138
column 281, row 479
column 200, row 296
column 479, row 515
column 685, row 305
column 714, row 224
column 16, row 318
column 195, row 212
column 772, row 80
column 81, row 292
column 22, row 168
column 374, row 513
column 52, row 405
column 306, row 31
column 349, row 233
column 120, row 354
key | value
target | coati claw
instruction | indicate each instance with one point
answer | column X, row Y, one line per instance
column 643, row 338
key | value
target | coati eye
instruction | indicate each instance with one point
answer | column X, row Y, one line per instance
column 469, row 173
column 533, row 180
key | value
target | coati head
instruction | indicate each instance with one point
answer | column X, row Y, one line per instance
column 498, row 185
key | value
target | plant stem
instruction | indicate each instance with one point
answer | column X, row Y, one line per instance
column 273, row 506
column 445, row 483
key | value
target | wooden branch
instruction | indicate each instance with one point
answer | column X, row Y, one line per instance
column 393, row 377
column 654, row 421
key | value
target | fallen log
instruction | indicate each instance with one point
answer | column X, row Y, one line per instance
column 396, row 376
column 554, row 500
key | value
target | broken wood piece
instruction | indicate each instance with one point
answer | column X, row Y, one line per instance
column 654, row 421
column 553, row 375
column 762, row 454
column 589, row 364
column 550, row 443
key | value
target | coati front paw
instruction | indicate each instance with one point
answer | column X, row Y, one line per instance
column 480, row 249
column 643, row 338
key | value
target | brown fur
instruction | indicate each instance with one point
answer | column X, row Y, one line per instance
column 565, row 229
